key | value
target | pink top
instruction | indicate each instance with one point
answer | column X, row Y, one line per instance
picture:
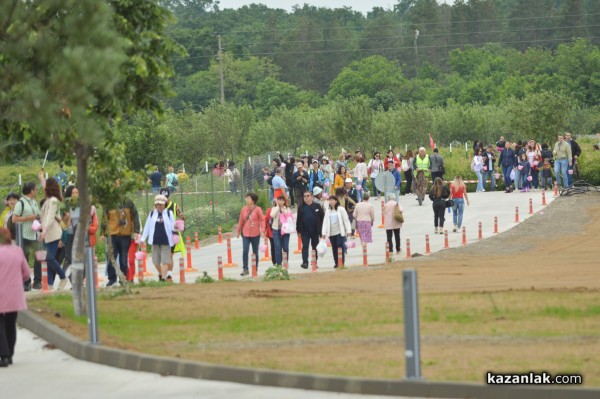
column 14, row 271
column 252, row 226
column 364, row 212
column 388, row 216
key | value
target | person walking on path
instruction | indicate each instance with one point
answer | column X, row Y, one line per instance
column 26, row 211
column 562, row 160
column 364, row 214
column 52, row 231
column 489, row 161
column 421, row 166
column 14, row 271
column 575, row 153
column 336, row 226
column 392, row 226
column 477, row 167
column 156, row 180
column 250, row 227
column 281, row 225
column 375, row 166
column 309, row 223
column 458, row 192
column 407, row 168
column 438, row 194
column 436, row 165
column 508, row 162
column 120, row 223
column 158, row 232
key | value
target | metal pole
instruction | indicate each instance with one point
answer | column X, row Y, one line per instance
column 411, row 324
column 416, row 53
column 221, row 72
column 91, row 295
column 212, row 189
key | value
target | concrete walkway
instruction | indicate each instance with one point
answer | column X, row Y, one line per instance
column 418, row 223
column 39, row 372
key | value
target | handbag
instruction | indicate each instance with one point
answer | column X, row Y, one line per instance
column 398, row 215
column 449, row 203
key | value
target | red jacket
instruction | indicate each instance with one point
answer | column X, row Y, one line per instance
column 387, row 160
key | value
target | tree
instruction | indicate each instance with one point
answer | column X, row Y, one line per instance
column 226, row 127
column 69, row 68
column 540, row 116
column 367, row 77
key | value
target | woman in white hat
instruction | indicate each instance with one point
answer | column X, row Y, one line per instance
column 158, row 231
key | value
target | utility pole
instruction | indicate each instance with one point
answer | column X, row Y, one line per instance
column 416, row 53
column 221, row 71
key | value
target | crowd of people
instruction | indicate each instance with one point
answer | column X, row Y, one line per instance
column 330, row 198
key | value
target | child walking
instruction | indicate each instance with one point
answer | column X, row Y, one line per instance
column 525, row 169
column 547, row 174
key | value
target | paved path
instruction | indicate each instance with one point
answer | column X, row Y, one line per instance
column 38, row 372
column 418, row 222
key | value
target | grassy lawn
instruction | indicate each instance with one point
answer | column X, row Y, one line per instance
column 340, row 332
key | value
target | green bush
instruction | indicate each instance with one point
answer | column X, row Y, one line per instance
column 276, row 273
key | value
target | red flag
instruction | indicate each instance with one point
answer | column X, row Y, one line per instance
column 431, row 142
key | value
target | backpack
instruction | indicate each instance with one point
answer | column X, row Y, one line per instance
column 174, row 179
column 10, row 225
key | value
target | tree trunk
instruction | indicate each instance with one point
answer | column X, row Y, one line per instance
column 82, row 152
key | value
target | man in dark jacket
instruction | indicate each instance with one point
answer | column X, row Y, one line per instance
column 575, row 152
column 308, row 224
column 299, row 182
column 508, row 162
column 489, row 161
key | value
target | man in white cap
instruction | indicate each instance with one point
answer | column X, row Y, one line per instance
column 158, row 231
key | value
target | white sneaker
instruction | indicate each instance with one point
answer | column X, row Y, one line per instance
column 62, row 284
column 483, row 190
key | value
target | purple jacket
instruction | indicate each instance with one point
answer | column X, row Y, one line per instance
column 14, row 271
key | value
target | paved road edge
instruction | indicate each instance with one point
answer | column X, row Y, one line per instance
column 191, row 369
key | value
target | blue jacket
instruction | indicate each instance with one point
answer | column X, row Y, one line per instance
column 398, row 178
column 508, row 158
column 526, row 168
column 314, row 178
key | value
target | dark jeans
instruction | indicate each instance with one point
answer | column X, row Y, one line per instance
column 307, row 239
column 69, row 251
column 53, row 265
column 272, row 247
column 255, row 241
column 396, row 233
column 233, row 187
column 29, row 247
column 439, row 207
column 120, row 246
column 506, row 172
column 437, row 174
column 8, row 333
column 282, row 244
column 409, row 178
column 338, row 241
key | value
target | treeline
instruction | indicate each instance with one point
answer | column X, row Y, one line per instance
column 229, row 131
column 308, row 49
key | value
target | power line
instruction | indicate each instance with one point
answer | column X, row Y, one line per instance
column 419, row 24
column 421, row 36
column 454, row 45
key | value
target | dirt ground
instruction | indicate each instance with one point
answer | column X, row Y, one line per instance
column 527, row 299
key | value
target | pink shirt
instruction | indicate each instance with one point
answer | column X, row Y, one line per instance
column 364, row 212
column 14, row 271
column 252, row 226
column 388, row 216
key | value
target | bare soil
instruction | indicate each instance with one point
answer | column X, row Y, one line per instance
column 527, row 299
